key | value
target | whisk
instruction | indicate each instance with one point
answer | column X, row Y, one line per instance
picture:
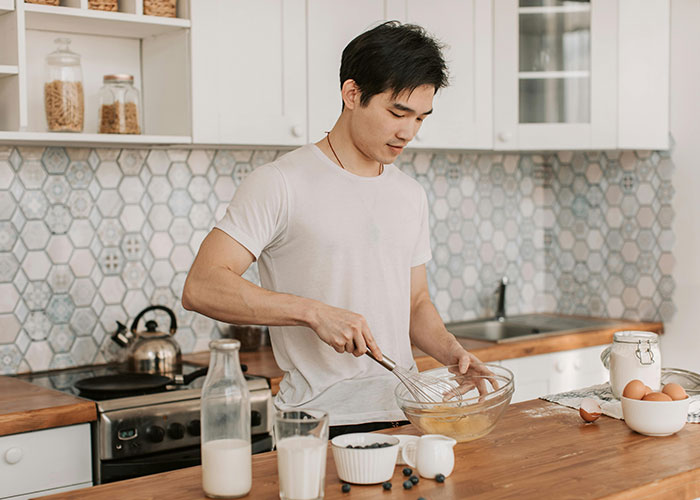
column 423, row 388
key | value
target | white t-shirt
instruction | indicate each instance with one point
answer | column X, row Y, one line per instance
column 321, row 232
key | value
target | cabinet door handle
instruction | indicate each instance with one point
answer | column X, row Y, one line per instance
column 13, row 455
column 297, row 130
column 559, row 366
column 504, row 136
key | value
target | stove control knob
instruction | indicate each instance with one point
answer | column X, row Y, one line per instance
column 176, row 431
column 194, row 428
column 155, row 434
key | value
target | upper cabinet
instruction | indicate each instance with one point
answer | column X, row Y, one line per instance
column 524, row 74
column 249, row 72
column 462, row 111
column 151, row 48
column 581, row 74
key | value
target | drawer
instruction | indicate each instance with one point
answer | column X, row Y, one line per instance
column 42, row 460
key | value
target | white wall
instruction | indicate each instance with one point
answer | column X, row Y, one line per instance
column 681, row 344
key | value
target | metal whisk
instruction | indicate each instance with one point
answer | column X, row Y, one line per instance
column 423, row 388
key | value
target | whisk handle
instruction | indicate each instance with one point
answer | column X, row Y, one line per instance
column 386, row 362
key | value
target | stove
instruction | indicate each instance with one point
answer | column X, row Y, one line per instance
column 141, row 434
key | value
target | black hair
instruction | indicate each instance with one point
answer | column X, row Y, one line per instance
column 393, row 56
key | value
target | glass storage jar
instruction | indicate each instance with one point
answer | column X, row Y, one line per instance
column 225, row 420
column 64, row 101
column 119, row 106
column 633, row 355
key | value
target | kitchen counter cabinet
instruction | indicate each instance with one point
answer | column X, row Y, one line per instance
column 27, row 407
column 262, row 362
column 538, row 449
column 44, row 440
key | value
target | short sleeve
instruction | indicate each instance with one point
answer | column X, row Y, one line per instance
column 257, row 215
column 421, row 251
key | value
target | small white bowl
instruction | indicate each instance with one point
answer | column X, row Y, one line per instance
column 364, row 465
column 655, row 418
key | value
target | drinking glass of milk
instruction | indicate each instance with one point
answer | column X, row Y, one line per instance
column 225, row 420
column 302, row 442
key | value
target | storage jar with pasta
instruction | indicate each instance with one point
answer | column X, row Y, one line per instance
column 64, row 101
column 119, row 106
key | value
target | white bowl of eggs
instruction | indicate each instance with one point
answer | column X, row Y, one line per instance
column 654, row 413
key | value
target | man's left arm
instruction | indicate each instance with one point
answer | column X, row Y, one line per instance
column 427, row 330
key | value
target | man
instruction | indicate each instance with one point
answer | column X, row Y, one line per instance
column 341, row 237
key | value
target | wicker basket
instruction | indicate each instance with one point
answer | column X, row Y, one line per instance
column 163, row 8
column 43, row 2
column 110, row 5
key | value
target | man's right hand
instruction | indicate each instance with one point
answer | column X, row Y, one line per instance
column 344, row 331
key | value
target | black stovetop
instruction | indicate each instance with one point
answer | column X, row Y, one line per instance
column 64, row 380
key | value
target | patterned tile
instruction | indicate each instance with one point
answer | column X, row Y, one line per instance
column 115, row 230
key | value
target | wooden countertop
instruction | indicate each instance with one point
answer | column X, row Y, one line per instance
column 262, row 362
column 27, row 407
column 537, row 450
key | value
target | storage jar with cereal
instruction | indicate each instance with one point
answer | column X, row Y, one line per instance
column 64, row 101
column 119, row 106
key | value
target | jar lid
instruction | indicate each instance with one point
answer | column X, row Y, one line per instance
column 634, row 337
column 120, row 77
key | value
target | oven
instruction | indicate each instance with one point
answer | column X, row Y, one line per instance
column 141, row 434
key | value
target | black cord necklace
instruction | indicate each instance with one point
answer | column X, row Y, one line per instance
column 328, row 138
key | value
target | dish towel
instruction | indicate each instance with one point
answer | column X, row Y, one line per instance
column 609, row 405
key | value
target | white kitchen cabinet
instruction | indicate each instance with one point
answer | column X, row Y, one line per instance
column 329, row 32
column 249, row 72
column 556, row 372
column 581, row 75
column 462, row 112
column 153, row 49
column 44, row 462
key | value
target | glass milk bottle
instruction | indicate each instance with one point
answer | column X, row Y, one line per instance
column 226, row 451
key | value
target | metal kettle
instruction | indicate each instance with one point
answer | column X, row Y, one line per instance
column 151, row 351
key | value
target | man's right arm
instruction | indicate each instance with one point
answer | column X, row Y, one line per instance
column 215, row 288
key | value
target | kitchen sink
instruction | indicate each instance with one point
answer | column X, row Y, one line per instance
column 525, row 325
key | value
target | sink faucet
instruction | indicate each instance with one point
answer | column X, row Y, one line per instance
column 501, row 307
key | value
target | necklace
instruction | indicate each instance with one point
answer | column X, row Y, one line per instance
column 328, row 138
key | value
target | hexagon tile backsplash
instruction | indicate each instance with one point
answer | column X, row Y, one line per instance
column 91, row 236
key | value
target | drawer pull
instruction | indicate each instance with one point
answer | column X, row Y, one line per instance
column 13, row 455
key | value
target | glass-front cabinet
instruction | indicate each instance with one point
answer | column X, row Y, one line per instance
column 581, row 74
column 555, row 74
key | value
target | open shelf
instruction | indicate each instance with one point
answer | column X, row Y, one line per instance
column 97, row 22
column 7, row 70
column 59, row 138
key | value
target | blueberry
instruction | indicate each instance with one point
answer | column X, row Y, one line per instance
column 345, row 488
column 414, row 479
column 407, row 471
column 421, row 498
column 407, row 485
column 386, row 485
column 440, row 478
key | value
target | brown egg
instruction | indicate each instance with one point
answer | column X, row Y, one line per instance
column 657, row 396
column 634, row 389
column 647, row 390
column 675, row 391
column 589, row 410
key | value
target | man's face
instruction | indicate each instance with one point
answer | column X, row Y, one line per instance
column 382, row 128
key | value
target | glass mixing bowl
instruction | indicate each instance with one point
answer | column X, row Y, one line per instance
column 470, row 417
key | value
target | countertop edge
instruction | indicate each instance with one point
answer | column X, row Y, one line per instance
column 26, row 407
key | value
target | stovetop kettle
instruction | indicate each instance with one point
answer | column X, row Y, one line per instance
column 151, row 351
